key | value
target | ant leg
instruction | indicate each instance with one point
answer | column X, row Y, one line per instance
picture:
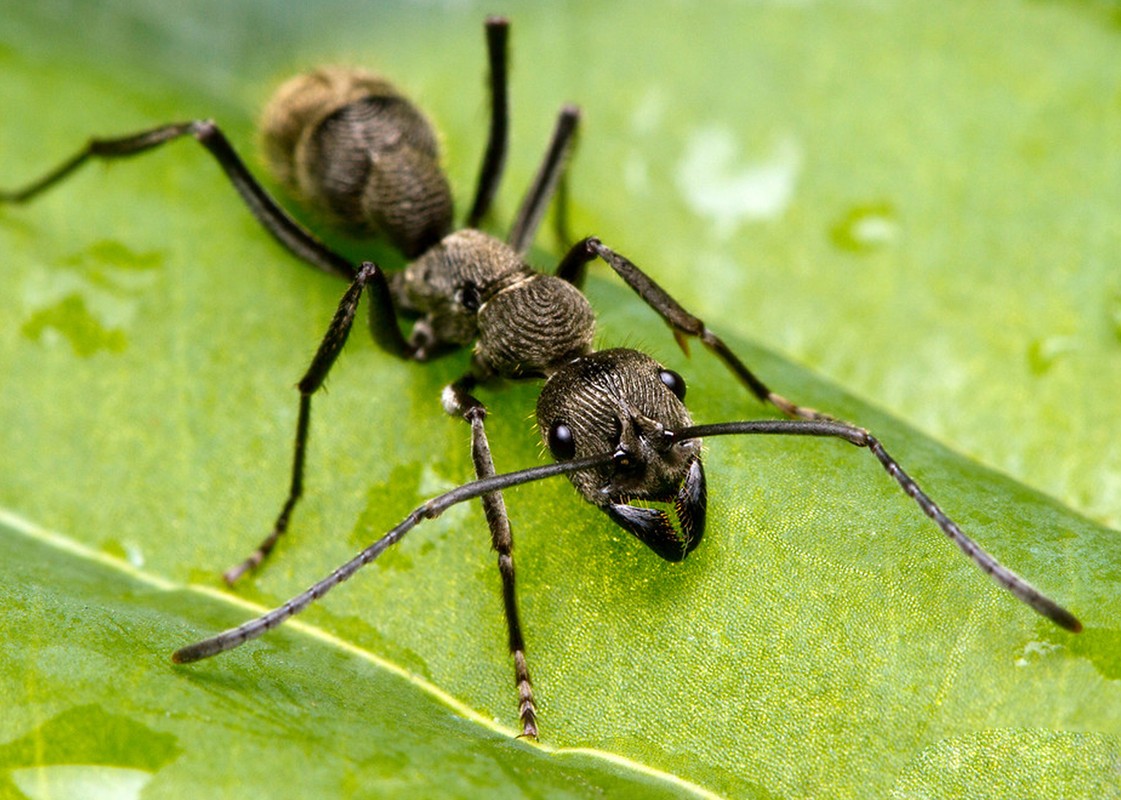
column 545, row 184
column 275, row 220
column 494, row 159
column 459, row 402
column 573, row 267
column 369, row 277
column 562, row 230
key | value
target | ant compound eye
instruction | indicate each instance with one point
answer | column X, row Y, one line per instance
column 561, row 443
column 674, row 382
column 469, row 297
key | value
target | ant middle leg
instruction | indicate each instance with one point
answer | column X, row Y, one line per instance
column 549, row 181
column 573, row 268
column 383, row 324
column 293, row 236
column 459, row 402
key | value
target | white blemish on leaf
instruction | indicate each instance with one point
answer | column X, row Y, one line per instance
column 718, row 185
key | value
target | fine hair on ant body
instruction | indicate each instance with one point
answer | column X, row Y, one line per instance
column 349, row 145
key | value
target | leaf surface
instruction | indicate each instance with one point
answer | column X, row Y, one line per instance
column 823, row 641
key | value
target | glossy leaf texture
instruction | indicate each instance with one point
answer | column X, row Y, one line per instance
column 919, row 206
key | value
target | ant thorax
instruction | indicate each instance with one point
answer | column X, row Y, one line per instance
column 473, row 287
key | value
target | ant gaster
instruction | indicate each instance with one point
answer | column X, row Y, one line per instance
column 349, row 145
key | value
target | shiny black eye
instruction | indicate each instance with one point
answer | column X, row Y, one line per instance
column 561, row 443
column 469, row 297
column 674, row 382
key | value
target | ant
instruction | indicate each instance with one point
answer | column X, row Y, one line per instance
column 349, row 145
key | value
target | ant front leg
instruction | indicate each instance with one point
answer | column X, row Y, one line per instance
column 459, row 402
column 275, row 220
column 383, row 324
column 573, row 268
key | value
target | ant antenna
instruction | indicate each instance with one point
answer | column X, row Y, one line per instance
column 862, row 438
column 234, row 637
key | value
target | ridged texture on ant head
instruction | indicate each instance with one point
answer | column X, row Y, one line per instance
column 344, row 140
column 618, row 401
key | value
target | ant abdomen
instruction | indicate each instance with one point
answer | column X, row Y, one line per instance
column 348, row 144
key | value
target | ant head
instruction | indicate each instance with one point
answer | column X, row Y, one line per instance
column 625, row 403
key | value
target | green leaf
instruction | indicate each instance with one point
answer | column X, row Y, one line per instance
column 325, row 719
column 919, row 205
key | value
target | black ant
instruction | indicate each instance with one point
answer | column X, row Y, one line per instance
column 349, row 145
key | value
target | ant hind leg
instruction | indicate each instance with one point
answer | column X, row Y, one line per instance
column 299, row 241
column 494, row 158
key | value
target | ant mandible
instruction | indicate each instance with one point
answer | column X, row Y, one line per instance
column 348, row 144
